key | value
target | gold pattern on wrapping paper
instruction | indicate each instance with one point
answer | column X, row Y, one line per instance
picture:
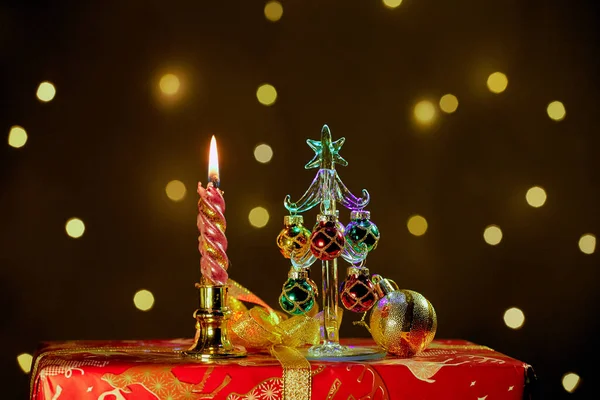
column 484, row 359
column 318, row 370
column 162, row 383
column 424, row 370
column 377, row 386
column 68, row 367
column 209, row 371
column 159, row 380
column 93, row 350
column 216, row 391
column 335, row 386
column 458, row 346
column 269, row 389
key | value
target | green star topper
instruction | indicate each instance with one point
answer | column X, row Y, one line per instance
column 326, row 151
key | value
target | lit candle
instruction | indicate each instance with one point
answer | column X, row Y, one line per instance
column 211, row 224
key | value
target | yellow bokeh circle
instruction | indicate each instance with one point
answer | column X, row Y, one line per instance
column 175, row 190
column 266, row 94
column 448, row 103
column 497, row 82
column 258, row 217
column 143, row 300
column 273, row 11
column 417, row 225
column 75, row 228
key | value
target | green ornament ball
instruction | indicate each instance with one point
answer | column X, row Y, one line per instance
column 297, row 296
column 361, row 233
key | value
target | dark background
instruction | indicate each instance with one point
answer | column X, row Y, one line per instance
column 106, row 146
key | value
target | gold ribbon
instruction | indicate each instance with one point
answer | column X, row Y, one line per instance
column 264, row 329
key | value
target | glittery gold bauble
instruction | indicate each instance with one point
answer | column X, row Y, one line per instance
column 294, row 237
column 403, row 322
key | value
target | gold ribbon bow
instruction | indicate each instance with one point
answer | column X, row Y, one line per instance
column 263, row 328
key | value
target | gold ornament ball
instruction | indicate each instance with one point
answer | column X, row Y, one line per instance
column 403, row 322
column 294, row 238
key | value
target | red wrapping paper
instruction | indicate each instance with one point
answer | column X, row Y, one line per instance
column 150, row 370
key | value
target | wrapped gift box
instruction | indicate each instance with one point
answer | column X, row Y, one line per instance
column 124, row 370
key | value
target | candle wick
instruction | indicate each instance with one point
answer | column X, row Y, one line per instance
column 215, row 181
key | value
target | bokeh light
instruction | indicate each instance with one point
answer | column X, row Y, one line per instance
column 514, row 318
column 556, row 111
column 536, row 196
column 417, row 225
column 46, row 91
column 175, row 190
column 17, row 137
column 587, row 243
column 266, row 94
column 392, row 3
column 263, row 153
column 273, row 11
column 25, row 360
column 75, row 228
column 497, row 82
column 424, row 112
column 143, row 300
column 570, row 381
column 448, row 103
column 492, row 235
column 169, row 84
column 258, row 217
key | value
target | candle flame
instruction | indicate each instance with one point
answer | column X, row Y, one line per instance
column 213, row 162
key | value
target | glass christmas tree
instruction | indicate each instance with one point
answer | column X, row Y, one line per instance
column 328, row 241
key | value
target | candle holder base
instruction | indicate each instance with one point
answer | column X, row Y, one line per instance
column 333, row 351
column 202, row 354
column 211, row 341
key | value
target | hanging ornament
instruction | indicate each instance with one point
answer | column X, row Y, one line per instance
column 294, row 238
column 358, row 291
column 361, row 232
column 403, row 322
column 327, row 239
column 298, row 292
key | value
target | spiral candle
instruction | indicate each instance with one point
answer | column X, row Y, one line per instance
column 212, row 241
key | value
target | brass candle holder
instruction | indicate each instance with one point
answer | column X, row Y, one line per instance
column 211, row 340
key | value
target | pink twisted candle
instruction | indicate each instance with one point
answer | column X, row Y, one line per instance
column 212, row 241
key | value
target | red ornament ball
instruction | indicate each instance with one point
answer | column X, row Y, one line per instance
column 327, row 240
column 358, row 291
